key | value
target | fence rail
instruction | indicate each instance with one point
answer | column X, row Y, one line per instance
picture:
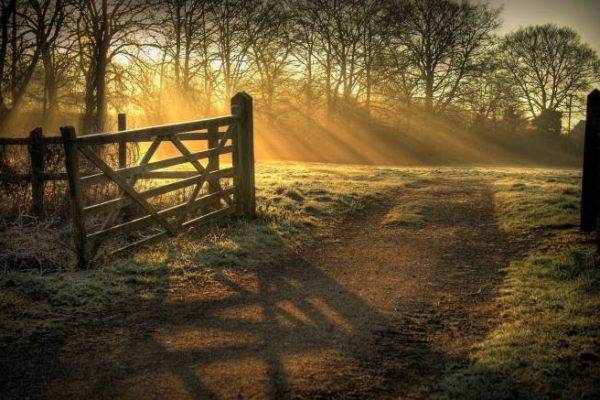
column 148, row 134
column 37, row 144
column 25, row 141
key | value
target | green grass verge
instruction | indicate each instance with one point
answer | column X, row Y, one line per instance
column 547, row 343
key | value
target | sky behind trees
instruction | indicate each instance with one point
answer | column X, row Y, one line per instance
column 581, row 15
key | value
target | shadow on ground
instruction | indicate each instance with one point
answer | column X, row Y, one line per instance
column 366, row 312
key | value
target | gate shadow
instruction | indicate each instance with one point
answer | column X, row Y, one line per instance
column 284, row 330
column 288, row 329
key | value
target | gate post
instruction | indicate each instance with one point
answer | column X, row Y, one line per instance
column 241, row 107
column 72, row 165
column 36, row 170
column 589, row 186
column 122, row 126
column 213, row 162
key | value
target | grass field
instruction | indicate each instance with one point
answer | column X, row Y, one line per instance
column 546, row 340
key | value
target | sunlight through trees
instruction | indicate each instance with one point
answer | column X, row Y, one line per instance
column 79, row 61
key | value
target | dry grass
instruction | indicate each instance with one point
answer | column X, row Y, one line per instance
column 31, row 245
column 294, row 200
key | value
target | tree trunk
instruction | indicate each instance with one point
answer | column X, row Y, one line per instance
column 368, row 88
column 429, row 93
column 4, row 18
column 309, row 84
column 328, row 94
column 51, row 99
column 177, row 56
column 100, row 79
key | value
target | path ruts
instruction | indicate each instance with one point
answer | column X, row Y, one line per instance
column 366, row 312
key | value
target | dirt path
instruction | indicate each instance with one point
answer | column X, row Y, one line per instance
column 366, row 312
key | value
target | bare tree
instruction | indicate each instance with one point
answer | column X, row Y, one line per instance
column 373, row 37
column 141, row 84
column 29, row 30
column 105, row 29
column 231, row 42
column 548, row 64
column 317, row 16
column 270, row 47
column 444, row 40
column 304, row 43
column 7, row 16
column 47, row 21
column 338, row 34
column 189, row 36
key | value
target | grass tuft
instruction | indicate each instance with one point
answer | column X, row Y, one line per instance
column 405, row 216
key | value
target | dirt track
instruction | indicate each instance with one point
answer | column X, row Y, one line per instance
column 365, row 312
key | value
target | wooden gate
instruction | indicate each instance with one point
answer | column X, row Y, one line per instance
column 199, row 207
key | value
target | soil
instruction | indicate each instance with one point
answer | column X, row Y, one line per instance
column 366, row 311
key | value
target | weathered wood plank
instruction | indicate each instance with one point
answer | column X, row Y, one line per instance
column 36, row 157
column 166, row 163
column 147, row 240
column 188, row 136
column 241, row 106
column 184, row 151
column 14, row 178
column 5, row 141
column 164, row 175
column 8, row 141
column 62, row 176
column 189, row 224
column 211, row 216
column 591, row 164
column 122, row 201
column 55, row 176
column 198, row 187
column 213, row 185
column 161, row 130
column 213, row 162
column 122, row 126
column 77, row 219
column 184, row 136
column 127, row 188
column 146, row 220
column 116, row 210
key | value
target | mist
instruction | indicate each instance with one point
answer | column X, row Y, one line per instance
column 343, row 82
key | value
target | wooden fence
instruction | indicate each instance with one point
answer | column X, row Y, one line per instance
column 199, row 208
column 37, row 145
column 590, row 188
column 117, row 214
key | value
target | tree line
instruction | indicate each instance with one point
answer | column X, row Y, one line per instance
column 382, row 57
